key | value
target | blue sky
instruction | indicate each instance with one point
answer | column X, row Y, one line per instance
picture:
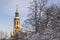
column 7, row 12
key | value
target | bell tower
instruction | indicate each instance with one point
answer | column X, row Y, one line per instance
column 16, row 21
column 16, row 27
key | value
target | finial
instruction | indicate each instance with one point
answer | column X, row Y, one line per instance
column 16, row 6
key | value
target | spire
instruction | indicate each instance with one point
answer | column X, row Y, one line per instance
column 17, row 8
column 17, row 13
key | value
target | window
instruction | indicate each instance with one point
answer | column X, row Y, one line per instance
column 17, row 22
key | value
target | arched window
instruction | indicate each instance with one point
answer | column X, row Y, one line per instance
column 17, row 22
